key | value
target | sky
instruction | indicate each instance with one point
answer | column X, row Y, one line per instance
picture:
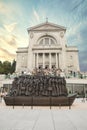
column 18, row 15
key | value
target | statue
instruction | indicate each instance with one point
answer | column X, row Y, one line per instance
column 38, row 87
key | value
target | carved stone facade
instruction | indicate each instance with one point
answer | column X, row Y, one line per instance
column 47, row 48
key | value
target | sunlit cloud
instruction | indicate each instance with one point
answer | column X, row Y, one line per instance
column 8, row 48
column 8, row 42
column 36, row 15
column 3, row 8
column 10, row 11
column 6, row 55
column 10, row 27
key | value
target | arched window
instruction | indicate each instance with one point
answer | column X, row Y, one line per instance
column 47, row 40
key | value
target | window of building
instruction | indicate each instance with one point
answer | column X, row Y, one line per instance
column 47, row 41
column 41, row 42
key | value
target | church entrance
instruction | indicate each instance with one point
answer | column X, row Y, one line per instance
column 46, row 66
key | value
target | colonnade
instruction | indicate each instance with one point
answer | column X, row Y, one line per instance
column 36, row 61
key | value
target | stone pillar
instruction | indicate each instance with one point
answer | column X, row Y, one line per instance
column 34, row 60
column 37, row 60
column 43, row 60
column 56, row 61
column 60, row 62
column 50, row 60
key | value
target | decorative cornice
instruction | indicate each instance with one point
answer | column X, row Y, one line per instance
column 21, row 51
column 46, row 48
column 23, row 48
column 36, row 28
column 48, row 30
column 72, row 49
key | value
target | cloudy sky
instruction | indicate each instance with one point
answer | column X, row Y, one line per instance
column 18, row 15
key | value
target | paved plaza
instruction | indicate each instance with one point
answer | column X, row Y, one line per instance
column 44, row 118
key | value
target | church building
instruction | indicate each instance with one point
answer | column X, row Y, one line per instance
column 47, row 48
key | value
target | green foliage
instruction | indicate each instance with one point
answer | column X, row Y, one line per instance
column 1, row 68
column 13, row 66
column 6, row 67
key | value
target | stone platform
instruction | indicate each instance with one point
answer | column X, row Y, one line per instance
column 44, row 118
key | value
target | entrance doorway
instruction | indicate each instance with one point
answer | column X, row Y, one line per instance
column 46, row 66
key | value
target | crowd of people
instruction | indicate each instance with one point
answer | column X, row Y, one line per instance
column 47, row 71
column 55, row 72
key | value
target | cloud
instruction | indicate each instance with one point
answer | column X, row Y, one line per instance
column 8, row 46
column 7, row 52
column 74, row 29
column 7, row 10
column 77, row 33
column 12, row 40
column 10, row 11
column 3, row 8
column 10, row 27
column 36, row 15
column 6, row 55
column 77, row 5
column 8, row 41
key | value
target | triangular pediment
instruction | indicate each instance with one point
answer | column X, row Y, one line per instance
column 47, row 26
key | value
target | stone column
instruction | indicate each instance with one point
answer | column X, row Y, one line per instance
column 50, row 60
column 43, row 60
column 34, row 60
column 60, row 62
column 37, row 60
column 56, row 61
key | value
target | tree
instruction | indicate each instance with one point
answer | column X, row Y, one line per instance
column 1, row 68
column 13, row 66
column 7, row 67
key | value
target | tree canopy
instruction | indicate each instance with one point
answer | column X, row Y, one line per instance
column 7, row 67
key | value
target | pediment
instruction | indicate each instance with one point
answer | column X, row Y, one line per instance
column 47, row 26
